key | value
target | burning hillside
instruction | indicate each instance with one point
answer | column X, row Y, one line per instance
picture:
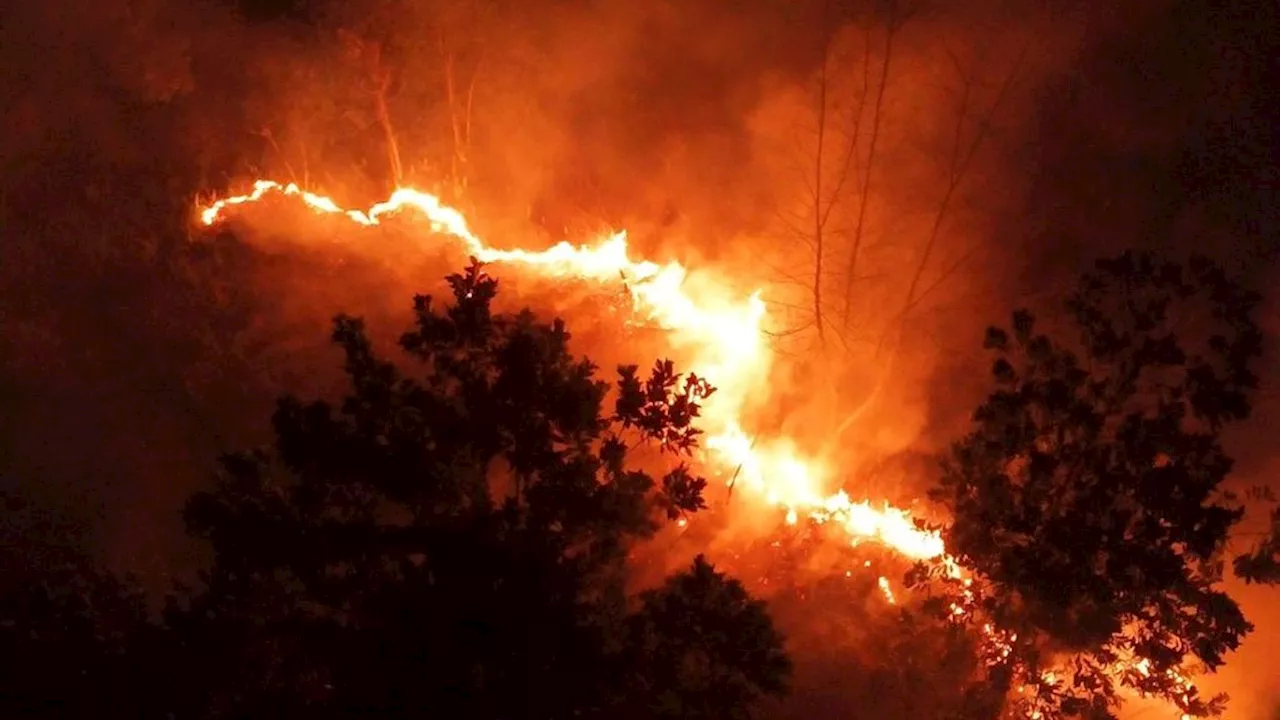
column 824, row 204
column 720, row 335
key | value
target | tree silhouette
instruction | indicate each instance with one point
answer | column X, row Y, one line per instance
column 1262, row 563
column 1088, row 498
column 700, row 647
column 456, row 542
column 68, row 637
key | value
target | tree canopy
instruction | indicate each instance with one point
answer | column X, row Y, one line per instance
column 69, row 634
column 455, row 540
column 1262, row 563
column 1090, row 498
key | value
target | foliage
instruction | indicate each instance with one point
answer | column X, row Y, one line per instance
column 1262, row 563
column 457, row 542
column 700, row 647
column 66, row 631
column 1088, row 497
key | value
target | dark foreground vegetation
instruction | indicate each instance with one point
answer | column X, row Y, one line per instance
column 447, row 541
column 453, row 536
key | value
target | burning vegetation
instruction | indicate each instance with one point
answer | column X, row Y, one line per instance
column 809, row 490
column 1059, row 448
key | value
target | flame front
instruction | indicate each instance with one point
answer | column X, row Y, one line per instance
column 723, row 333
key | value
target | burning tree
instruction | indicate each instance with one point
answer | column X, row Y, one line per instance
column 457, row 543
column 1090, row 499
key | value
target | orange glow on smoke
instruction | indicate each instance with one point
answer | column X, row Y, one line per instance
column 722, row 331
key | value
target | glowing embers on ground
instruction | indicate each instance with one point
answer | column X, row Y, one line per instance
column 719, row 327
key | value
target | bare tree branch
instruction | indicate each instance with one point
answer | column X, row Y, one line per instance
column 942, row 278
column 817, row 189
column 961, row 157
column 851, row 269
column 266, row 134
column 380, row 75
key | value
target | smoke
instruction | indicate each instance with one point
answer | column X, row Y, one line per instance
column 1006, row 145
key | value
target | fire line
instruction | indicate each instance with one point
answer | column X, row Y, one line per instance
column 724, row 333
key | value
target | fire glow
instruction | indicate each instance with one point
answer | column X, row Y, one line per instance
column 724, row 333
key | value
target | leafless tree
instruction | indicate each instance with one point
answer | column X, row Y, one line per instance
column 821, row 207
column 461, row 40
column 378, row 76
column 851, row 89
column 895, row 18
column 972, row 129
column 849, row 96
column 837, row 117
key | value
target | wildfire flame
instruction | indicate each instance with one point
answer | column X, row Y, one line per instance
column 723, row 333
